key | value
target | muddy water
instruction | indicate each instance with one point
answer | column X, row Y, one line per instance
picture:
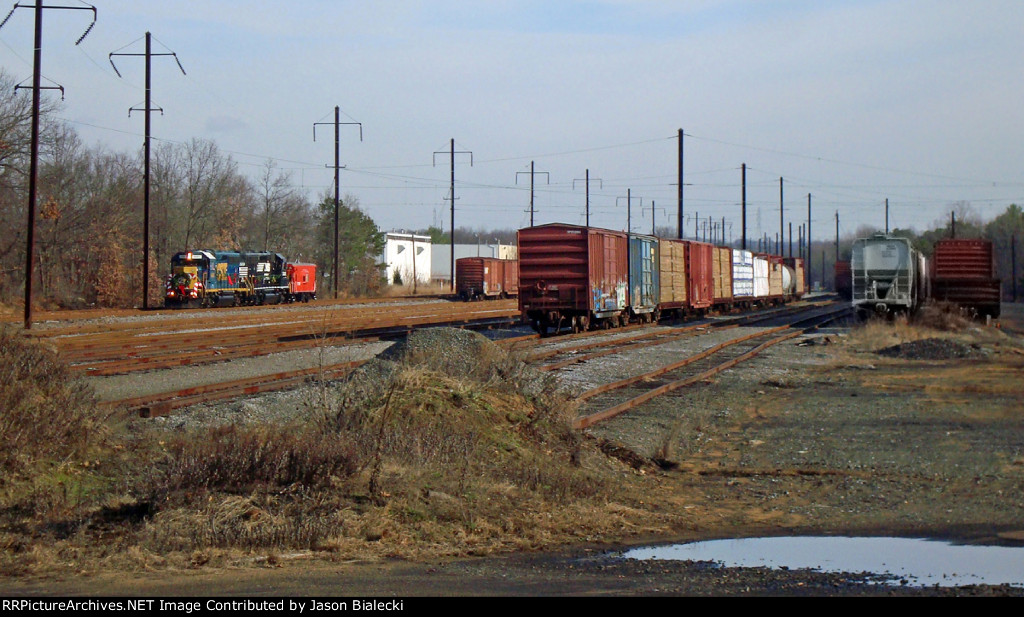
column 916, row 561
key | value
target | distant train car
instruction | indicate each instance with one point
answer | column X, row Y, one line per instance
column 479, row 278
column 964, row 272
column 843, row 280
column 572, row 276
column 644, row 277
column 799, row 271
column 301, row 282
column 721, row 266
column 889, row 276
column 582, row 277
column 674, row 289
column 742, row 278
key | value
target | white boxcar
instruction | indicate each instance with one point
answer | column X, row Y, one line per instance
column 761, row 287
column 742, row 274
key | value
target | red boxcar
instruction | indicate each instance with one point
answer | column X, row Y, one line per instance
column 700, row 274
column 486, row 277
column 964, row 272
column 843, row 279
column 301, row 282
column 572, row 276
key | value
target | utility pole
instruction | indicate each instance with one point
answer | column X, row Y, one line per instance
column 782, row 225
column 952, row 224
column 837, row 236
column 531, row 172
column 586, row 180
column 629, row 208
column 33, row 173
column 1013, row 262
column 452, row 154
column 887, row 216
column 654, row 228
column 743, row 179
column 680, row 192
column 337, row 181
column 809, row 277
column 791, row 239
column 145, row 173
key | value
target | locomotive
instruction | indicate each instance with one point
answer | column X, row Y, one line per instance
column 206, row 278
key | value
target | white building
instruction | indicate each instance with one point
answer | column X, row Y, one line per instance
column 441, row 265
column 407, row 254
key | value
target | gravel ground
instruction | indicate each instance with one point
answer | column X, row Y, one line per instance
column 154, row 382
column 817, row 436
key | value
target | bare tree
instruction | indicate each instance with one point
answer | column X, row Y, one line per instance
column 280, row 206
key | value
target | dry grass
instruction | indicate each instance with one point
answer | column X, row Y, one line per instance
column 422, row 289
column 418, row 456
column 47, row 417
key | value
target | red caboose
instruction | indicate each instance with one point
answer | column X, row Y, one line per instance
column 302, row 282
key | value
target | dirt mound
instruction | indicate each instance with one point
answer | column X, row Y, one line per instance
column 933, row 349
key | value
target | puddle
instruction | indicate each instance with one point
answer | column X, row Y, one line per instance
column 919, row 562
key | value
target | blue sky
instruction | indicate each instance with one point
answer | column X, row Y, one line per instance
column 853, row 102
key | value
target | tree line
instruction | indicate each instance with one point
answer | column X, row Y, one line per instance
column 89, row 216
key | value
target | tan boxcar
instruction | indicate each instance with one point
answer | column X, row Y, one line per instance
column 799, row 274
column 722, row 274
column 673, row 274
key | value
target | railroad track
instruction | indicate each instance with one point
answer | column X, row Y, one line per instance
column 646, row 338
column 166, row 402
column 172, row 344
column 612, row 399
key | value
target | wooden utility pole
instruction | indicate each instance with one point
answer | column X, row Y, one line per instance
column 337, row 182
column 148, row 109
column 532, row 172
column 809, row 277
column 33, row 174
column 680, row 191
column 743, row 179
column 586, row 181
column 452, row 154
column 782, row 224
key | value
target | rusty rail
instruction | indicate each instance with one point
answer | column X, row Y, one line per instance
column 611, row 412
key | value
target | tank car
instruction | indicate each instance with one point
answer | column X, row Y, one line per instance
column 889, row 276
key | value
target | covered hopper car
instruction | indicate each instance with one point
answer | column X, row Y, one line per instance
column 889, row 276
